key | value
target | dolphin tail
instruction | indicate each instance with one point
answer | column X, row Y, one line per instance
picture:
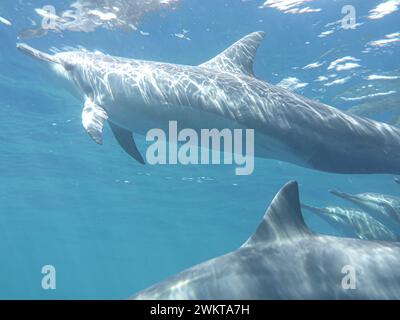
column 23, row 47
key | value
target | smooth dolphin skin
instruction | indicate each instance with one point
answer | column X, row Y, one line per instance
column 354, row 223
column 381, row 207
column 285, row 260
column 136, row 96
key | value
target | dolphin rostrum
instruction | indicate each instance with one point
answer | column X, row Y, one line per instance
column 384, row 208
column 285, row 260
column 137, row 96
column 353, row 222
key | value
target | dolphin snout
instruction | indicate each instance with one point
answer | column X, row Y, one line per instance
column 319, row 211
column 337, row 193
column 23, row 47
column 343, row 195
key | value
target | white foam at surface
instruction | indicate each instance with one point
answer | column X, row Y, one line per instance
column 313, row 65
column 379, row 77
column 290, row 6
column 5, row 21
column 322, row 79
column 338, row 62
column 389, row 39
column 372, row 95
column 292, row 83
column 347, row 66
column 337, row 82
column 384, row 9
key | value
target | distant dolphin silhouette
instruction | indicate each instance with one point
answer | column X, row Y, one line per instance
column 89, row 15
column 136, row 96
column 284, row 260
column 354, row 222
column 382, row 207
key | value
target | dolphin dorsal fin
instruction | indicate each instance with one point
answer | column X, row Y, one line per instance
column 239, row 57
column 283, row 219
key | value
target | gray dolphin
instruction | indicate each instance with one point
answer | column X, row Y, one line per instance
column 136, row 96
column 353, row 222
column 384, row 208
column 89, row 15
column 285, row 260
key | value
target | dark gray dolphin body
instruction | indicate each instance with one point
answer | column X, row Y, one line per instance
column 136, row 96
column 384, row 208
column 353, row 222
column 284, row 260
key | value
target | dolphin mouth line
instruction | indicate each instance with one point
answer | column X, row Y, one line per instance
column 23, row 47
column 343, row 195
column 338, row 193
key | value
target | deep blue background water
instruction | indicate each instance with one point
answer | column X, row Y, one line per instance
column 112, row 227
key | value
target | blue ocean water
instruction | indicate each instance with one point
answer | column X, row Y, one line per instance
column 112, row 227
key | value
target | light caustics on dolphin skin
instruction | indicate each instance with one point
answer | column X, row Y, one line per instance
column 353, row 222
column 285, row 260
column 224, row 93
column 89, row 15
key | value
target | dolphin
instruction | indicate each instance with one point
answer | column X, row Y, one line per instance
column 89, row 15
column 353, row 222
column 137, row 96
column 397, row 180
column 384, row 208
column 285, row 260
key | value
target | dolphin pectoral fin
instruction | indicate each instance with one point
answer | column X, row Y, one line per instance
column 126, row 141
column 93, row 118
